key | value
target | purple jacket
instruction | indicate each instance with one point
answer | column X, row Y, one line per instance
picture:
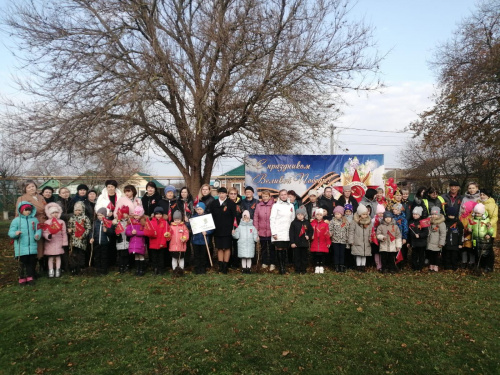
column 137, row 244
column 261, row 217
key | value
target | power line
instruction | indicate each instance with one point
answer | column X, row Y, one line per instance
column 380, row 131
column 374, row 135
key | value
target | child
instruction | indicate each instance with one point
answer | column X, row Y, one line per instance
column 466, row 217
column 406, row 203
column 348, row 210
column 321, row 240
column 262, row 222
column 246, row 234
column 389, row 235
column 199, row 244
column 376, row 221
column 180, row 235
column 436, row 239
column 100, row 236
column 78, row 242
column 482, row 238
column 359, row 236
column 339, row 231
column 25, row 231
column 121, row 237
column 400, row 219
column 418, row 239
column 158, row 240
column 380, row 198
column 56, row 237
column 300, row 233
column 137, row 241
column 454, row 238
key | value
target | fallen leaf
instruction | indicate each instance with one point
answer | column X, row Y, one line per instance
column 403, row 345
column 285, row 353
column 359, row 309
column 264, row 346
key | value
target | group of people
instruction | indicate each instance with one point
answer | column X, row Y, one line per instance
column 135, row 233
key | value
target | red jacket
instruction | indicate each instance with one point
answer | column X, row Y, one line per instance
column 160, row 227
column 321, row 237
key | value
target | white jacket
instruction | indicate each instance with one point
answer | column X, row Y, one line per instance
column 103, row 200
column 282, row 215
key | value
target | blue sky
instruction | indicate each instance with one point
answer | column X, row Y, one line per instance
column 409, row 31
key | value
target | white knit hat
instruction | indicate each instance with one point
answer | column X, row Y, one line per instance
column 362, row 209
column 418, row 210
column 479, row 209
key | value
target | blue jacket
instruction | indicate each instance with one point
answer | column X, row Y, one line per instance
column 246, row 234
column 100, row 237
column 402, row 224
column 197, row 239
column 25, row 243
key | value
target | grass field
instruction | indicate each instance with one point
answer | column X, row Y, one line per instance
column 446, row 323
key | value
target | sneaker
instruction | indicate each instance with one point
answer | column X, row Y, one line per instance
column 321, row 269
column 272, row 267
column 316, row 269
column 51, row 273
column 265, row 266
column 58, row 272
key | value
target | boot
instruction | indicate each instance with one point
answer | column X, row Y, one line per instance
column 51, row 273
column 138, row 270
column 142, row 266
column 337, row 268
column 58, row 272
column 221, row 267
column 225, row 265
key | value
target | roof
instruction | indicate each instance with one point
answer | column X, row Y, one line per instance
column 147, row 177
column 238, row 171
column 53, row 183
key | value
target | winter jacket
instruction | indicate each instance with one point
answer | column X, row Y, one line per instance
column 249, row 205
column 169, row 207
column 419, row 202
column 26, row 242
column 402, row 224
column 492, row 210
column 223, row 216
column 342, row 202
column 471, row 197
column 311, row 209
column 480, row 229
column 150, row 202
column 339, row 230
column 296, row 227
column 239, row 210
column 100, row 237
column 261, row 219
column 186, row 207
column 80, row 242
column 438, row 202
column 207, row 200
column 158, row 240
column 384, row 239
column 121, row 238
column 65, row 205
column 247, row 236
column 367, row 202
column 282, row 215
column 452, row 201
column 180, row 236
column 88, row 206
column 454, row 234
column 414, row 229
column 197, row 239
column 328, row 205
column 54, row 242
column 437, row 234
column 359, row 236
column 126, row 201
column 407, row 209
column 321, row 237
column 137, row 241
column 104, row 202
column 38, row 202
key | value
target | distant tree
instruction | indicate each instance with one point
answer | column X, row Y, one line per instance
column 193, row 80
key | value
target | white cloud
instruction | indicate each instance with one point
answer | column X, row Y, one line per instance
column 254, row 165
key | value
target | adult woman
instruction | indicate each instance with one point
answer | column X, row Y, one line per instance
column 31, row 195
column 109, row 198
column 418, row 201
column 81, row 196
column 151, row 199
column 282, row 215
column 491, row 208
column 433, row 199
column 129, row 199
column 48, row 194
column 64, row 202
column 233, row 195
column 206, row 197
column 472, row 194
column 261, row 221
column 223, row 212
column 346, row 198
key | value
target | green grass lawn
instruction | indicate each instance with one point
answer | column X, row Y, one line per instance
column 251, row 324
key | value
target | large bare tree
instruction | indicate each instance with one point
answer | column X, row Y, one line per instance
column 194, row 80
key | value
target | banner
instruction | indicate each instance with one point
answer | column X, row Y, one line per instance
column 303, row 173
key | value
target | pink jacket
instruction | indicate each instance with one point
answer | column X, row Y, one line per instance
column 54, row 245
column 137, row 243
column 261, row 219
column 124, row 201
column 178, row 231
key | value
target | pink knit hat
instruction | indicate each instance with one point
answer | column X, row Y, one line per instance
column 139, row 211
column 468, row 207
column 380, row 209
column 338, row 209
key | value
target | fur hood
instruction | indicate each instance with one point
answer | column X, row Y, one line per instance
column 440, row 219
column 50, row 207
column 360, row 221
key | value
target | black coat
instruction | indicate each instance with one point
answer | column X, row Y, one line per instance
column 207, row 200
column 169, row 205
column 328, row 205
column 342, row 202
column 223, row 216
column 65, row 206
column 423, row 233
column 249, row 205
column 454, row 234
column 296, row 228
column 150, row 202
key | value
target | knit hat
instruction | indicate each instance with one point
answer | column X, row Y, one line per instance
column 387, row 214
column 418, row 210
column 201, row 205
column 338, row 210
column 452, row 211
column 348, row 206
column 479, row 209
column 48, row 188
column 313, row 192
column 82, row 187
column 468, row 207
column 177, row 215
column 111, row 182
column 222, row 190
column 370, row 193
column 453, row 183
column 397, row 206
column 24, row 207
column 362, row 209
column 347, row 188
column 320, row 211
column 169, row 188
column 246, row 213
column 435, row 210
column 380, row 209
column 92, row 191
column 139, row 211
column 249, row 188
column 102, row 211
column 301, row 210
column 486, row 192
column 125, row 210
column 158, row 210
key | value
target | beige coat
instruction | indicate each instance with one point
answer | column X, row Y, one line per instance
column 386, row 245
column 437, row 234
column 359, row 236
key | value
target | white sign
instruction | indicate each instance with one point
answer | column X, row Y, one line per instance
column 202, row 223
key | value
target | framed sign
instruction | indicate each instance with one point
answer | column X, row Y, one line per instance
column 202, row 223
